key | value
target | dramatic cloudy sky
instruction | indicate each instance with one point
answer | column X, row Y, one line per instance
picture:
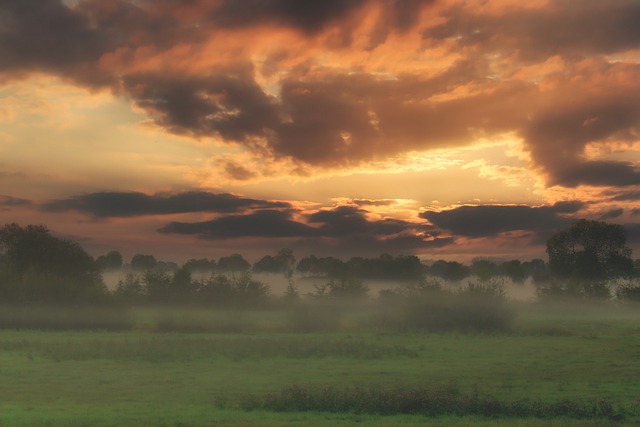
column 444, row 128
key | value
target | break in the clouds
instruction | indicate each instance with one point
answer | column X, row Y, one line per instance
column 491, row 220
column 130, row 204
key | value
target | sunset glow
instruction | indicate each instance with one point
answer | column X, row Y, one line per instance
column 443, row 128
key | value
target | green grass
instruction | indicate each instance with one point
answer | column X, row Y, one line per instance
column 141, row 377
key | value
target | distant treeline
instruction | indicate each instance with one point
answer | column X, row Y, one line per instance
column 384, row 267
column 38, row 267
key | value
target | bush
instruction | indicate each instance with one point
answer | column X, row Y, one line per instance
column 478, row 307
column 629, row 291
column 426, row 401
column 574, row 289
column 240, row 291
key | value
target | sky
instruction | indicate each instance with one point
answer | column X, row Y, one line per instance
column 448, row 129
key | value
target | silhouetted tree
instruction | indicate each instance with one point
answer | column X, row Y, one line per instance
column 538, row 270
column 590, row 250
column 449, row 270
column 130, row 289
column 267, row 264
column 234, row 263
column 242, row 291
column 286, row 260
column 307, row 264
column 344, row 288
column 166, row 266
column 200, row 265
column 142, row 262
column 484, row 269
column 40, row 267
column 182, row 287
column 514, row 270
column 111, row 261
column 157, row 285
column 325, row 266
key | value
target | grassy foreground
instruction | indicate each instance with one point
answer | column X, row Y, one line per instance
column 142, row 377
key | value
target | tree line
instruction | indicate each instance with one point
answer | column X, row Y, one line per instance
column 36, row 266
column 384, row 267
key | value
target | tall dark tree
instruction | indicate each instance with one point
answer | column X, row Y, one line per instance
column 234, row 263
column 143, row 262
column 267, row 264
column 200, row 265
column 37, row 266
column 111, row 261
column 449, row 270
column 590, row 250
column 514, row 269
column 484, row 269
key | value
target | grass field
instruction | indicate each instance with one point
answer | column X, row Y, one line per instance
column 146, row 377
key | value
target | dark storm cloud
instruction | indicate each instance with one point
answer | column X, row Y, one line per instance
column 8, row 201
column 336, row 118
column 231, row 105
column 596, row 173
column 122, row 204
column 346, row 227
column 309, row 16
column 332, row 120
column 491, row 220
column 635, row 212
column 612, row 214
column 624, row 196
column 45, row 35
column 568, row 27
column 595, row 103
column 263, row 223
column 346, row 119
column 583, row 114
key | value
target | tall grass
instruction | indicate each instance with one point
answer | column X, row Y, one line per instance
column 425, row 401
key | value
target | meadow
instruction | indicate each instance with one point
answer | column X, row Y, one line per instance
column 555, row 366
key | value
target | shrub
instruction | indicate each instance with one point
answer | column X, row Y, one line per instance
column 629, row 291
column 478, row 307
column 242, row 291
column 574, row 289
column 427, row 401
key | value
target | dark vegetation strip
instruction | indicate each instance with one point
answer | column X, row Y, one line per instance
column 425, row 401
column 181, row 348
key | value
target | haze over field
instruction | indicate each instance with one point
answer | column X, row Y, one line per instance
column 442, row 128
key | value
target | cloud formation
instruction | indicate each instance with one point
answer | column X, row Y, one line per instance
column 344, row 227
column 308, row 17
column 339, row 83
column 130, row 204
column 8, row 201
column 262, row 223
column 491, row 220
